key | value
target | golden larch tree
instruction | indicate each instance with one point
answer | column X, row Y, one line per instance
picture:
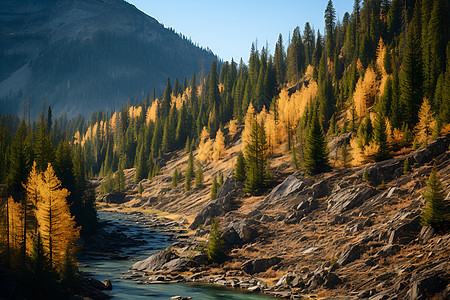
column 219, row 146
column 56, row 225
column 427, row 123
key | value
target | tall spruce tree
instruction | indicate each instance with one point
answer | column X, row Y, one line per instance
column 256, row 159
column 315, row 149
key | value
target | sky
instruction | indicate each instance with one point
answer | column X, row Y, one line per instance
column 229, row 27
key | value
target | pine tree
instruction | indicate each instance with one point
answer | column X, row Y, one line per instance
column 141, row 168
column 315, row 149
column 175, row 178
column 120, row 179
column 239, row 168
column 20, row 164
column 406, row 166
column 215, row 251
column 164, row 108
column 434, row 211
column 220, row 179
column 140, row 189
column 345, row 154
column 280, row 61
column 199, row 177
column 39, row 264
column 330, row 19
column 214, row 188
column 189, row 172
column 411, row 78
column 256, row 158
column 380, row 138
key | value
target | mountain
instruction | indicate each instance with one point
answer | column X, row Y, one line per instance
column 85, row 55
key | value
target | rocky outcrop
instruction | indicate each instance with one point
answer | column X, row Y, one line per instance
column 349, row 254
column 348, row 198
column 222, row 204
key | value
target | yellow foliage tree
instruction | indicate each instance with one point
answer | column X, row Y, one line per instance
column 249, row 119
column 366, row 91
column 205, row 146
column 427, row 123
column 219, row 146
column 232, row 128
column 152, row 111
column 56, row 225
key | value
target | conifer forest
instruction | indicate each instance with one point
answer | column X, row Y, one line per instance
column 373, row 88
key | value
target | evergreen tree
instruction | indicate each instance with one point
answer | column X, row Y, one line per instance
column 213, row 86
column 189, row 172
column 20, row 164
column 220, row 179
column 315, row 149
column 140, row 189
column 141, row 168
column 406, row 166
column 380, row 137
column 239, row 168
column 164, row 108
column 256, row 159
column 280, row 61
column 120, row 179
column 175, row 178
column 43, row 149
column 330, row 23
column 214, row 188
column 411, row 78
column 39, row 264
column 434, row 211
column 215, row 251
column 199, row 177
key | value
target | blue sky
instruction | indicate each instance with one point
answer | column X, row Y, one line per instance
column 229, row 27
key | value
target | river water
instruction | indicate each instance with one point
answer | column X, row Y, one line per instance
column 124, row 288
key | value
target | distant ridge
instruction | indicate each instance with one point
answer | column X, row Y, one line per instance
column 85, row 55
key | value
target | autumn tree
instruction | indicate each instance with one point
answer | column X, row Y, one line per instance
column 427, row 123
column 219, row 146
column 56, row 225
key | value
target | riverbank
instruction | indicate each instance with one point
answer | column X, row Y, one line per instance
column 324, row 236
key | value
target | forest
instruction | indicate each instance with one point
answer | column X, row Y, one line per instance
column 381, row 74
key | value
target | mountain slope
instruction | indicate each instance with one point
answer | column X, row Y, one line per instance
column 87, row 55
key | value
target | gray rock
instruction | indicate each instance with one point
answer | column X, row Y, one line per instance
column 155, row 262
column 247, row 229
column 259, row 265
column 331, row 280
column 176, row 265
column 290, row 185
column 349, row 198
column 426, row 233
column 387, row 250
column 230, row 237
column 349, row 254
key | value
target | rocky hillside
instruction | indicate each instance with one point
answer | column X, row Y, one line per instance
column 84, row 55
column 320, row 236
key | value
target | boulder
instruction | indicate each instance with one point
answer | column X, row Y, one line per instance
column 107, row 284
column 350, row 253
column 405, row 232
column 230, row 237
column 155, row 262
column 115, row 197
column 259, row 265
column 348, row 198
column 247, row 229
column 290, row 185
column 426, row 233
column 387, row 250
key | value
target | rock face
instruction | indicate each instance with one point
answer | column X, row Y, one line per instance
column 349, row 198
column 259, row 265
column 220, row 205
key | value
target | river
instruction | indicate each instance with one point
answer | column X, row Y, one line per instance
column 126, row 288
